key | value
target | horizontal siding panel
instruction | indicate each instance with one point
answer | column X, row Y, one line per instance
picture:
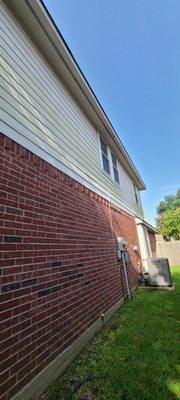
column 75, row 110
column 47, row 107
column 12, row 64
column 33, row 76
column 47, row 111
column 36, row 124
column 41, row 135
column 38, row 107
column 46, row 70
column 18, row 127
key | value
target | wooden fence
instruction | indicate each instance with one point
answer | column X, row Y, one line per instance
column 170, row 250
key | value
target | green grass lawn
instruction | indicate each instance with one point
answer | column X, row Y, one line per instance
column 135, row 356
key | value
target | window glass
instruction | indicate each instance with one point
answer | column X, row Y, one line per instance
column 116, row 175
column 136, row 194
column 114, row 160
column 104, row 153
column 104, row 147
column 115, row 169
column 105, row 161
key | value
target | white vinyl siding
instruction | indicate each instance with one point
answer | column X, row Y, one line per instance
column 37, row 107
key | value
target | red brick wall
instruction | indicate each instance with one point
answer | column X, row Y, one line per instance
column 58, row 262
column 152, row 239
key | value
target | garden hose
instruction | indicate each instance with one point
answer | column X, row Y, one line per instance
column 89, row 379
column 78, row 385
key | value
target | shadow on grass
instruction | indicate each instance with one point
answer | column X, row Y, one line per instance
column 135, row 356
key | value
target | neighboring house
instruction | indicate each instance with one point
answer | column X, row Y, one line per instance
column 68, row 191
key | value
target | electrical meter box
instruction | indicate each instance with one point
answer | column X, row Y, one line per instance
column 121, row 244
column 158, row 271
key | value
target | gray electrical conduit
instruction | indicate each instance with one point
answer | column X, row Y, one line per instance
column 126, row 276
column 120, row 271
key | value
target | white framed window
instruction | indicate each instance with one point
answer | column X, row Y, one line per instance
column 109, row 162
column 115, row 168
column 105, row 156
column 136, row 194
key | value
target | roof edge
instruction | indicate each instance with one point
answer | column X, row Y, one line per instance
column 94, row 95
column 146, row 224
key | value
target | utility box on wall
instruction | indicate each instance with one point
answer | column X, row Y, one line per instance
column 158, row 271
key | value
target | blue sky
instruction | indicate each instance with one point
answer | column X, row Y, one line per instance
column 129, row 51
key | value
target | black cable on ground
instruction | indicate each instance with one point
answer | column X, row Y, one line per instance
column 78, row 385
column 89, row 379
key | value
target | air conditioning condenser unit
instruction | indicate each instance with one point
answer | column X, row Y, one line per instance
column 158, row 271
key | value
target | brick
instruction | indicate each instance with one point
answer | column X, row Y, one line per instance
column 7, row 385
column 2, row 139
column 8, row 323
column 26, row 350
column 19, row 345
column 56, row 263
column 7, row 263
column 4, row 298
column 16, row 388
column 56, row 288
column 26, row 370
column 4, row 354
column 10, row 341
column 59, row 268
column 80, row 275
column 45, row 292
column 19, row 365
column 14, row 254
column 26, row 332
column 5, row 315
column 79, row 265
column 11, row 210
column 29, row 282
column 6, row 278
column 21, row 327
column 11, row 287
column 22, row 292
column 21, row 309
column 13, row 239
column 7, row 363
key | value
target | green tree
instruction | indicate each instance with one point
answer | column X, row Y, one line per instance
column 169, row 226
column 169, row 202
column 168, row 221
